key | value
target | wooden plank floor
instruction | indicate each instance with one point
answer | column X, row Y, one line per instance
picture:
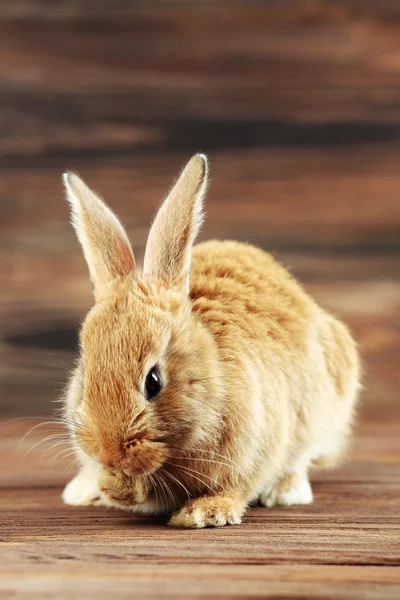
column 297, row 105
column 346, row 545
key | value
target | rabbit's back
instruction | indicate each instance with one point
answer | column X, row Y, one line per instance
column 238, row 289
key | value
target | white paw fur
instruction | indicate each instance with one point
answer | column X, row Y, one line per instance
column 81, row 491
column 298, row 491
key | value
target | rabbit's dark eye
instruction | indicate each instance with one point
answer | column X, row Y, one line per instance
column 153, row 383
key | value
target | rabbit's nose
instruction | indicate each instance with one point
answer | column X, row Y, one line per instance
column 131, row 443
column 131, row 464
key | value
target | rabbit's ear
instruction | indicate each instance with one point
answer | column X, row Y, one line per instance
column 105, row 244
column 169, row 247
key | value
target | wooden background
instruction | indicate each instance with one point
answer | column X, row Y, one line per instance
column 297, row 104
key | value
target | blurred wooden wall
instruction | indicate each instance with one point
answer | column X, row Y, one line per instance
column 297, row 104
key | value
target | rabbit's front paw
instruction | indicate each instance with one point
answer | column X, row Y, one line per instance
column 118, row 489
column 209, row 511
column 290, row 490
column 81, row 491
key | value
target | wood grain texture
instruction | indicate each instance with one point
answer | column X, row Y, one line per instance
column 345, row 545
column 298, row 106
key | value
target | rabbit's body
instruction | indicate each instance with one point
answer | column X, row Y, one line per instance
column 253, row 382
column 301, row 362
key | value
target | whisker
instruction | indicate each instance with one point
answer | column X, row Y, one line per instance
column 208, row 460
column 177, row 481
column 46, row 439
column 162, row 484
column 145, row 479
column 69, row 467
column 191, row 472
column 8, row 421
column 162, row 487
column 225, row 458
column 212, row 452
column 56, row 445
column 202, row 474
column 171, row 491
column 62, row 456
column 59, row 413
column 45, row 423
column 153, row 483
column 69, row 421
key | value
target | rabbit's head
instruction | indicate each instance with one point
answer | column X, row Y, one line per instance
column 147, row 367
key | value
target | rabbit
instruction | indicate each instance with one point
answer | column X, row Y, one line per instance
column 208, row 380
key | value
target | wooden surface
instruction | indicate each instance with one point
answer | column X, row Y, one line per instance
column 298, row 106
column 345, row 545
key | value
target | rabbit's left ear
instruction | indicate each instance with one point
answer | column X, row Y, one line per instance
column 169, row 246
column 105, row 244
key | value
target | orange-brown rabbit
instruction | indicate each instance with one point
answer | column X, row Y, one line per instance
column 207, row 381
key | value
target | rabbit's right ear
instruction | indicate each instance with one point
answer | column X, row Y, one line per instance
column 105, row 244
column 169, row 247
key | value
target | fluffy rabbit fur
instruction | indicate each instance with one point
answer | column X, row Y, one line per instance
column 259, row 384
